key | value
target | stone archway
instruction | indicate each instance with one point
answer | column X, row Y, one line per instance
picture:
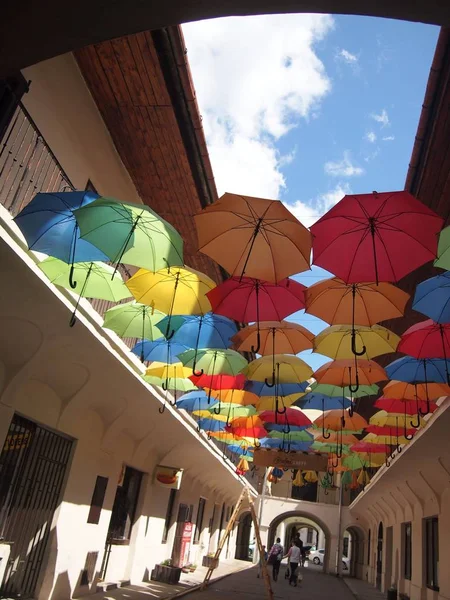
column 355, row 551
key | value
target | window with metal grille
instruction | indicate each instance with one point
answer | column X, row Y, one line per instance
column 124, row 509
column 169, row 513
column 407, row 549
column 199, row 521
column 432, row 552
column 98, row 496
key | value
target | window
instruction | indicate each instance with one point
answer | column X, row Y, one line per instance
column 432, row 552
column 199, row 522
column 98, row 496
column 407, row 549
column 309, row 536
column 222, row 517
column 369, row 539
column 124, row 509
column 169, row 513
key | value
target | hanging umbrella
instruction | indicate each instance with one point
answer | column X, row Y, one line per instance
column 206, row 414
column 310, row 476
column 414, row 370
column 254, row 237
column 363, row 477
column 284, row 427
column 230, row 411
column 130, row 233
column 247, row 427
column 213, row 361
column 392, row 431
column 427, row 339
column 49, row 226
column 178, row 384
column 383, row 439
column 159, row 350
column 201, row 331
column 288, row 369
column 276, row 337
column 234, row 396
column 97, row 280
column 134, row 320
column 291, row 416
column 334, row 391
column 415, row 391
column 292, row 436
column 167, row 371
column 375, row 237
column 211, row 426
column 313, row 401
column 432, row 298
column 192, row 401
column 260, row 388
column 251, row 300
column 351, row 373
column 407, row 407
column 339, row 420
column 335, row 437
column 336, row 448
column 443, row 252
column 298, row 480
column 341, row 341
column 174, row 291
column 370, row 448
column 219, row 382
column 269, row 402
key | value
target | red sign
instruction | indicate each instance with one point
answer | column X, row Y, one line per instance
column 186, row 543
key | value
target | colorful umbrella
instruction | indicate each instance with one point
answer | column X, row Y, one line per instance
column 284, row 389
column 98, row 280
column 276, row 337
column 201, row 331
column 427, row 339
column 414, row 370
column 432, row 298
column 338, row 420
column 234, row 396
column 310, row 476
column 49, row 226
column 174, row 291
column 254, row 237
column 288, row 369
column 293, row 436
column 195, row 400
column 269, row 402
column 134, row 320
column 251, row 300
column 335, row 391
column 213, row 361
column 159, row 350
column 345, row 373
column 443, row 252
column 178, row 384
column 247, row 427
column 231, row 411
column 130, row 233
column 375, row 237
column 370, row 448
column 341, row 341
column 291, row 416
column 167, row 371
column 356, row 461
column 313, row 401
column 408, row 407
column 415, row 391
column 219, row 382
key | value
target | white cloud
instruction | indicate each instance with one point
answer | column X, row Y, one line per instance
column 309, row 213
column 347, row 57
column 382, row 118
column 371, row 137
column 343, row 168
column 255, row 78
column 389, row 138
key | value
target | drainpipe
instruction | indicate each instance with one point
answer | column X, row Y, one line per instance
column 260, row 512
column 339, row 541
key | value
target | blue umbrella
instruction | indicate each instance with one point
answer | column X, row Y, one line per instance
column 201, row 331
column 196, row 400
column 432, row 298
column 211, row 425
column 314, row 401
column 49, row 226
column 284, row 389
column 419, row 370
column 236, row 449
column 279, row 444
column 159, row 350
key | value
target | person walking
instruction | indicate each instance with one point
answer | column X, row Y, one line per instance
column 275, row 557
column 294, row 555
column 262, row 560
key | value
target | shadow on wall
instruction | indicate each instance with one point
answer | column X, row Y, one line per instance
column 62, row 589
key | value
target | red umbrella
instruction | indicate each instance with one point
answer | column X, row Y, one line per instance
column 393, row 432
column 219, row 382
column 291, row 416
column 408, row 407
column 427, row 339
column 370, row 448
column 375, row 237
column 250, row 300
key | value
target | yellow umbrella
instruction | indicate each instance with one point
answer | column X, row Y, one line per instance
column 235, row 397
column 179, row 291
column 374, row 438
column 385, row 419
column 363, row 478
column 223, row 436
column 165, row 371
column 268, row 402
column 310, row 476
column 298, row 480
column 288, row 369
column 337, row 341
column 206, row 414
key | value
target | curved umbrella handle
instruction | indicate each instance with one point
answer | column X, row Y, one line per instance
column 354, row 388
column 337, row 462
column 339, row 452
column 288, row 449
column 271, row 383
column 325, row 434
column 325, row 491
column 161, row 409
column 72, row 320
column 423, row 413
column 258, row 343
column 351, row 410
column 354, row 350
column 244, row 451
column 257, row 444
column 286, row 428
column 217, row 412
column 408, row 436
column 413, row 424
column 208, row 437
column 198, row 429
column 72, row 282
column 343, row 422
column 197, row 373
column 280, row 412
column 387, row 462
column 164, row 385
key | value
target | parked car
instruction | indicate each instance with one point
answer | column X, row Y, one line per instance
column 318, row 556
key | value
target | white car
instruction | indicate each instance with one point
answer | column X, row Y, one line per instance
column 318, row 556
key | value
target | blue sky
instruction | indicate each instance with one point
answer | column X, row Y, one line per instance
column 307, row 108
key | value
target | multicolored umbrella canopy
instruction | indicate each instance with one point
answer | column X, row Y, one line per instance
column 276, row 337
column 48, row 224
column 408, row 407
column 343, row 341
column 270, row 402
column 168, row 371
column 130, row 233
column 335, row 391
column 291, row 416
column 178, row 384
column 375, row 237
column 254, row 237
column 195, row 400
column 432, row 298
column 219, row 382
column 336, row 421
column 213, row 361
column 134, row 320
column 292, row 436
column 201, row 331
column 160, row 350
column 260, row 388
column 234, row 396
column 370, row 448
column 336, row 302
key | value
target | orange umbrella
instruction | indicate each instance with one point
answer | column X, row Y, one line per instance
column 336, row 302
column 351, row 373
column 415, row 391
column 254, row 237
column 276, row 337
column 338, row 420
column 335, row 437
column 248, row 428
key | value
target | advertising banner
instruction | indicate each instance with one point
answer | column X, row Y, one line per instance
column 186, row 543
column 293, row 460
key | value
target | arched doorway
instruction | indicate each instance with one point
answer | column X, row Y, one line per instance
column 353, row 552
column 287, row 525
column 244, row 550
column 379, row 555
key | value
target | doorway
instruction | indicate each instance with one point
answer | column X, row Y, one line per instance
column 243, row 537
column 388, row 558
column 33, row 464
column 184, row 516
column 379, row 556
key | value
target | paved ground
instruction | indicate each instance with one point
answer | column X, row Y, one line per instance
column 363, row 591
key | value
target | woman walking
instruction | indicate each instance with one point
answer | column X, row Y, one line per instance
column 275, row 556
column 294, row 555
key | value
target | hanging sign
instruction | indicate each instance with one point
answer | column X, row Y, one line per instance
column 169, row 477
column 293, row 460
column 186, row 543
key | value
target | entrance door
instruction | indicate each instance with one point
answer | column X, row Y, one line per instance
column 184, row 515
column 243, row 537
column 33, row 463
column 379, row 555
column 388, row 558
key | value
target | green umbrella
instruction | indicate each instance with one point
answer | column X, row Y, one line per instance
column 172, row 383
column 346, row 478
column 130, row 233
column 443, row 253
column 334, row 391
column 330, row 448
column 99, row 280
column 354, row 462
column 134, row 320
column 231, row 410
column 214, row 362
column 294, row 436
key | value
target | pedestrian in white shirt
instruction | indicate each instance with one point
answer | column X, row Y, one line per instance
column 294, row 555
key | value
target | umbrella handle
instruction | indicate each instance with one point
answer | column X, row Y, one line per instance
column 423, row 413
column 325, row 434
column 72, row 282
column 161, row 409
column 280, row 412
column 387, row 462
column 257, row 444
column 287, row 449
column 217, row 412
column 266, row 380
column 197, row 373
column 354, row 350
column 416, row 425
column 164, row 385
column 335, row 465
column 354, row 388
column 72, row 320
column 244, row 451
column 339, row 452
column 198, row 429
column 208, row 437
column 258, row 343
column 170, row 335
column 286, row 428
column 351, row 410
column 325, row 491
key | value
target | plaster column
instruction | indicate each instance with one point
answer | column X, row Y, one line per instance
column 281, row 532
column 330, row 551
